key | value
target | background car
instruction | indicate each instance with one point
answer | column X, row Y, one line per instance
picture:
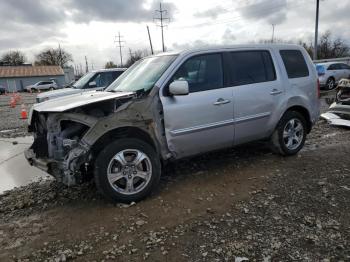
column 95, row 80
column 2, row 90
column 42, row 85
column 330, row 73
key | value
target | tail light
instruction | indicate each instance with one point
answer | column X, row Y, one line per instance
column 318, row 88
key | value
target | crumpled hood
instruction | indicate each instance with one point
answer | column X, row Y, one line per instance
column 73, row 101
column 58, row 93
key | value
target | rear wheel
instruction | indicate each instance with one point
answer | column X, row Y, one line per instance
column 51, row 88
column 330, row 84
column 127, row 170
column 290, row 134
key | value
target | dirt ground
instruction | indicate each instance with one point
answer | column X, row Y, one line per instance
column 233, row 205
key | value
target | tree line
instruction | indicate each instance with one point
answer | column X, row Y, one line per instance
column 48, row 56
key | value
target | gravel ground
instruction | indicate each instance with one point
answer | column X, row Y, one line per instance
column 233, row 205
column 11, row 124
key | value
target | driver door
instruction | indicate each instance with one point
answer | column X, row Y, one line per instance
column 202, row 120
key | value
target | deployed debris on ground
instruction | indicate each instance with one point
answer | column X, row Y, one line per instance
column 338, row 113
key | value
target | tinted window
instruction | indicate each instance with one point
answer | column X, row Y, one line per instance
column 250, row 67
column 294, row 63
column 345, row 66
column 335, row 67
column 202, row 72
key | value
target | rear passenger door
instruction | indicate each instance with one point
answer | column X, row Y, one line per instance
column 257, row 93
column 202, row 120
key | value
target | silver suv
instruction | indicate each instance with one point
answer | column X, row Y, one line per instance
column 330, row 73
column 174, row 105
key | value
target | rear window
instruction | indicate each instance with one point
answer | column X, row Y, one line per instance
column 250, row 67
column 294, row 63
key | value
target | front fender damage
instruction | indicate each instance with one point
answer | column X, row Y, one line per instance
column 71, row 136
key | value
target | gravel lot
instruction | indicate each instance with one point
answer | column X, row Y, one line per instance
column 11, row 124
column 234, row 205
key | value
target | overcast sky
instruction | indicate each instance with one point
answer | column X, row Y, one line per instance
column 89, row 27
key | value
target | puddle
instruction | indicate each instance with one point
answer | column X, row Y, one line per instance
column 14, row 168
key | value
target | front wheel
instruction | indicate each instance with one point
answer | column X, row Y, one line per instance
column 127, row 170
column 290, row 134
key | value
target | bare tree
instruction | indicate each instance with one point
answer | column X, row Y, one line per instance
column 329, row 47
column 13, row 58
column 110, row 64
column 135, row 56
column 53, row 56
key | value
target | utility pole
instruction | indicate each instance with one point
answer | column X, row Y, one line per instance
column 60, row 55
column 273, row 33
column 150, row 40
column 86, row 65
column 119, row 41
column 316, row 29
column 161, row 18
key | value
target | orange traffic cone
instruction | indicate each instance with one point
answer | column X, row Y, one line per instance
column 12, row 102
column 23, row 112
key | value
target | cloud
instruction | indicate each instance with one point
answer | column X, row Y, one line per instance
column 228, row 37
column 85, row 11
column 274, row 12
column 212, row 13
column 36, row 12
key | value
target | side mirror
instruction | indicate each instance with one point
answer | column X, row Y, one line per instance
column 92, row 84
column 179, row 88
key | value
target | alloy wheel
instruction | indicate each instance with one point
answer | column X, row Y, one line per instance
column 129, row 171
column 293, row 134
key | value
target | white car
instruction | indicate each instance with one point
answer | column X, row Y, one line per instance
column 95, row 80
column 42, row 85
column 330, row 73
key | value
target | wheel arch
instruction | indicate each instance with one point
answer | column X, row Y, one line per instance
column 304, row 112
column 122, row 132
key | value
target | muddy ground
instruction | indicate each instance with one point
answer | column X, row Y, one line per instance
column 233, row 205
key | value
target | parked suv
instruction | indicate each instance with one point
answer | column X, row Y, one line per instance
column 175, row 105
column 330, row 73
column 42, row 85
column 95, row 80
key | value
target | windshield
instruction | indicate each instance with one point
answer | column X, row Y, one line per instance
column 83, row 80
column 142, row 75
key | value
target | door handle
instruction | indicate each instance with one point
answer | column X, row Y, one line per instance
column 275, row 92
column 221, row 101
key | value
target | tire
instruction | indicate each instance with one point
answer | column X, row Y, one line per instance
column 330, row 84
column 109, row 161
column 51, row 89
column 280, row 139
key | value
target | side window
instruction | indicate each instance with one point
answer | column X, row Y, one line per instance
column 202, row 72
column 250, row 67
column 331, row 67
column 294, row 63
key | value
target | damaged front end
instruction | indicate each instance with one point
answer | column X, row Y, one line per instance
column 59, row 127
column 338, row 114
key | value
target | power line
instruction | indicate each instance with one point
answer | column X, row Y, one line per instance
column 240, row 17
column 119, row 41
column 161, row 18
